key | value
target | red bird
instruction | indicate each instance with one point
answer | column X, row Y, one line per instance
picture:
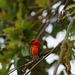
column 36, row 49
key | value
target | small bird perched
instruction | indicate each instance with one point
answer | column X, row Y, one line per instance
column 36, row 49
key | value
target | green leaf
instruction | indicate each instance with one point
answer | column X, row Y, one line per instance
column 3, row 15
column 19, row 21
column 73, row 12
column 62, row 73
column 15, row 60
column 42, row 3
column 11, row 48
column 73, row 0
column 26, row 24
column 70, row 6
column 24, row 50
column 31, row 35
column 14, row 33
column 3, row 3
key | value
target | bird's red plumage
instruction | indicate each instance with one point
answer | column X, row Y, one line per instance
column 36, row 42
column 34, row 50
column 35, row 47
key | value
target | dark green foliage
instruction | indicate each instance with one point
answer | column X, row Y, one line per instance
column 62, row 73
column 18, row 27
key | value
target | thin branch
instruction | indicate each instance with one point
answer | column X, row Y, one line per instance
column 66, row 4
column 69, row 27
column 26, row 65
column 38, row 61
column 43, row 58
column 57, row 65
column 45, row 25
column 30, row 62
column 15, row 69
column 61, row 14
column 33, row 61
column 63, row 45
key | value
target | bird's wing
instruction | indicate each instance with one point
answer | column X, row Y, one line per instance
column 39, row 51
column 31, row 53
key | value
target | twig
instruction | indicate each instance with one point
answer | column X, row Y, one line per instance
column 15, row 69
column 43, row 58
column 45, row 53
column 63, row 44
column 42, row 55
column 45, row 25
column 33, row 61
column 26, row 65
column 30, row 62
column 57, row 65
column 66, row 4
column 69, row 27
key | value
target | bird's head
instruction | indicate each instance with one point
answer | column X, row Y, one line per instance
column 34, row 42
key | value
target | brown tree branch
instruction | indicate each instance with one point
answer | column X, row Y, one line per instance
column 26, row 65
column 30, row 62
column 43, row 26
column 38, row 38
column 69, row 26
column 63, row 45
column 33, row 61
column 15, row 69
column 66, row 4
column 60, row 58
column 43, row 58
column 61, row 14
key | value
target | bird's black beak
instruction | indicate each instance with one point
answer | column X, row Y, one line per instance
column 30, row 42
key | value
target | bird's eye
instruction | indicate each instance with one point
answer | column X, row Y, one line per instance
column 32, row 40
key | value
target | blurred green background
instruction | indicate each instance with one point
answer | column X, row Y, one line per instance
column 23, row 20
